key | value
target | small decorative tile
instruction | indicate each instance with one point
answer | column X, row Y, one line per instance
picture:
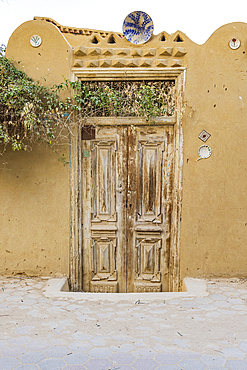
column 35, row 41
column 204, row 136
column 204, row 151
column 234, row 43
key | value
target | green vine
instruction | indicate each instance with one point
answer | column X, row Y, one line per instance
column 125, row 98
column 31, row 112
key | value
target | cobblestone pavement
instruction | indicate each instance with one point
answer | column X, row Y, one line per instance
column 40, row 332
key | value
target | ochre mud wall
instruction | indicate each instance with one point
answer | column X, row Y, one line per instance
column 35, row 223
column 214, row 218
column 35, row 213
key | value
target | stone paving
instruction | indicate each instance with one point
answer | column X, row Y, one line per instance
column 40, row 332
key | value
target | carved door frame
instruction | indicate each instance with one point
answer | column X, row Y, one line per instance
column 90, row 74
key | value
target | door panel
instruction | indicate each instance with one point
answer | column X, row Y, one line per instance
column 126, row 186
column 148, row 214
column 103, row 189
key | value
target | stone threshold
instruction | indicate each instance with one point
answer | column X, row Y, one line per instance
column 59, row 288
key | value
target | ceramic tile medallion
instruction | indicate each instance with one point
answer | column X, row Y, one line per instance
column 138, row 27
column 234, row 43
column 204, row 151
column 35, row 41
column 204, row 136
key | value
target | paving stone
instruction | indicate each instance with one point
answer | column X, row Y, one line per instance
column 80, row 346
column 100, row 352
column 20, row 341
column 27, row 367
column 97, row 341
column 236, row 365
column 13, row 351
column 13, row 299
column 145, row 364
column 207, row 307
column 158, row 312
column 213, row 360
column 174, row 301
column 234, row 301
column 8, row 363
column 34, row 313
column 123, row 338
column 25, row 329
column 53, row 363
column 227, row 312
column 32, row 357
column 188, row 364
column 59, row 303
column 146, row 352
column 222, row 304
column 168, row 349
column 85, row 318
column 203, row 300
column 169, row 367
column 189, row 304
column 213, row 314
column 74, row 367
column 144, row 328
column 218, row 297
column 239, row 307
column 243, row 346
column 159, row 339
column 122, row 348
column 29, row 302
column 76, row 358
column 167, row 358
column 199, row 318
column 184, row 354
column 56, row 351
column 122, row 358
column 81, row 336
column 181, row 342
column 122, row 367
column 58, row 342
column 4, row 343
column 232, row 352
column 39, row 344
column 101, row 364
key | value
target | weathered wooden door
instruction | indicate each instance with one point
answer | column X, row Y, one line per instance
column 126, row 187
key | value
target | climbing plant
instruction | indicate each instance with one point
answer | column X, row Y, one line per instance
column 126, row 98
column 31, row 112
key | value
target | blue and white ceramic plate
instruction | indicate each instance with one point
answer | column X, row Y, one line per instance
column 138, row 27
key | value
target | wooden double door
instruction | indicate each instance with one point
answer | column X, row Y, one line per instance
column 126, row 207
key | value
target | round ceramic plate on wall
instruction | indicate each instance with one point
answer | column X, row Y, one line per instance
column 138, row 27
column 35, row 41
column 234, row 43
column 204, row 151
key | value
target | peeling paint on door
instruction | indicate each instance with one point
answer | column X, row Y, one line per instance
column 127, row 209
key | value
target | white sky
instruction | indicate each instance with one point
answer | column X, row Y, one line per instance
column 197, row 19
